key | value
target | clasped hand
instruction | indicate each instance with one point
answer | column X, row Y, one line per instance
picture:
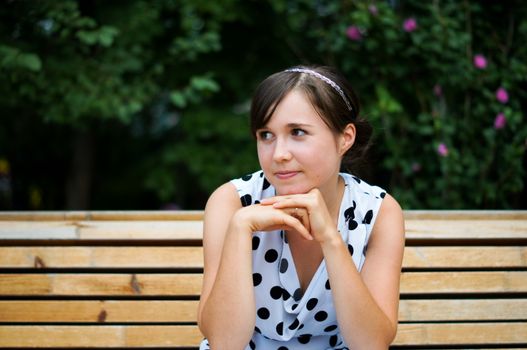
column 307, row 214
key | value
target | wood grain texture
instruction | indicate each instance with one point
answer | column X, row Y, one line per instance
column 99, row 336
column 198, row 215
column 171, row 336
column 101, row 257
column 461, row 333
column 465, row 257
column 100, row 284
column 464, row 282
column 94, row 311
column 158, row 311
column 192, row 257
column 466, row 229
column 101, row 230
column 190, row 284
column 462, row 310
column 128, row 215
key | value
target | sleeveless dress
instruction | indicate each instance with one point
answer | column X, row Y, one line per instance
column 286, row 318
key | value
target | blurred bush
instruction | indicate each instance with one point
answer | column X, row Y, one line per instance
column 142, row 105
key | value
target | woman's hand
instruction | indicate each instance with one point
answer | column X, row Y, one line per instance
column 310, row 208
column 269, row 218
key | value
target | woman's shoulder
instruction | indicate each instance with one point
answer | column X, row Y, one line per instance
column 224, row 196
column 363, row 189
column 237, row 192
column 253, row 187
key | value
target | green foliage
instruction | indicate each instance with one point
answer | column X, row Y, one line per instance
column 164, row 87
column 213, row 147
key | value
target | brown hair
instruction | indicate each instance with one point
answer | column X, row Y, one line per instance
column 326, row 100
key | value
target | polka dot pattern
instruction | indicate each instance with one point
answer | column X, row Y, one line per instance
column 271, row 256
column 288, row 317
column 283, row 266
column 263, row 313
column 311, row 304
column 257, row 279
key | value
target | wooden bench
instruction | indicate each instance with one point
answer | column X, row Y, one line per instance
column 132, row 279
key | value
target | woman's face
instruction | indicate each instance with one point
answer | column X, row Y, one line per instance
column 297, row 150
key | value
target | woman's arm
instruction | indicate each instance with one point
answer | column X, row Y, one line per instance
column 226, row 314
column 367, row 303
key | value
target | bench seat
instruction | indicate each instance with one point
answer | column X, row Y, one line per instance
column 132, row 280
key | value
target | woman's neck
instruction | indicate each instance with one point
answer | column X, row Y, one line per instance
column 332, row 195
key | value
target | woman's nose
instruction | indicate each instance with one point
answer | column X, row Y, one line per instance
column 281, row 151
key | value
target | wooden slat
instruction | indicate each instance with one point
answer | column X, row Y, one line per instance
column 462, row 333
column 37, row 230
column 198, row 215
column 90, row 311
column 453, row 215
column 101, row 257
column 99, row 336
column 100, row 284
column 164, row 336
column 462, row 310
column 61, row 336
column 464, row 282
column 462, row 257
column 180, row 230
column 190, row 284
column 171, row 336
column 43, row 215
column 466, row 229
column 156, row 227
column 129, row 311
column 149, row 230
column 192, row 257
column 101, row 230
column 39, row 257
column 129, row 215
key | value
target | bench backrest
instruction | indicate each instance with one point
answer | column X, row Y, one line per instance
column 132, row 279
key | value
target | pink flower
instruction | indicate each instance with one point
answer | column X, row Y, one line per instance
column 410, row 24
column 416, row 167
column 502, row 95
column 438, row 91
column 480, row 61
column 373, row 10
column 353, row 33
column 500, row 121
column 442, row 150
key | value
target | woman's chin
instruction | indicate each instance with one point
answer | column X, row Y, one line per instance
column 286, row 191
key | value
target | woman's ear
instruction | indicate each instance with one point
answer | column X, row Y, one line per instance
column 347, row 138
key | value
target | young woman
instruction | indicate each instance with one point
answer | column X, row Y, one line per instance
column 299, row 255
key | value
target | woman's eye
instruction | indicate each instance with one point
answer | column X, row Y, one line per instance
column 264, row 135
column 298, row 132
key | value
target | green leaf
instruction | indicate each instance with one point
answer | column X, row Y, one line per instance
column 204, row 84
column 30, row 61
column 107, row 35
column 89, row 38
column 178, row 99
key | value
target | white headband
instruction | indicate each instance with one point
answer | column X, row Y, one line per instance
column 324, row 79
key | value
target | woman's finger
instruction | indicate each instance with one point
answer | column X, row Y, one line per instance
column 298, row 226
column 301, row 214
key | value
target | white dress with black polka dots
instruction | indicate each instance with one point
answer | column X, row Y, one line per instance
column 286, row 318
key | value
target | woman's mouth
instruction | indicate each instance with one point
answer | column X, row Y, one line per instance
column 284, row 175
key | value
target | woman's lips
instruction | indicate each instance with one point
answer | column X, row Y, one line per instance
column 284, row 175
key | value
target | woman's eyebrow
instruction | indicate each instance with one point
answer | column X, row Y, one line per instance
column 298, row 125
